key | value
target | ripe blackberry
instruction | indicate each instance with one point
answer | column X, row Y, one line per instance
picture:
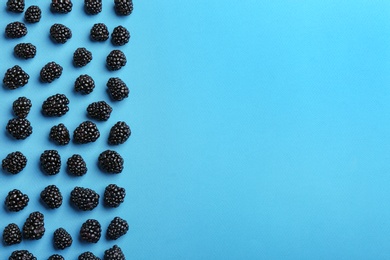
column 22, row 255
column 56, row 257
column 14, row 163
column 59, row 33
column 52, row 196
column 60, row 134
column 100, row 110
column 61, row 6
column 99, row 32
column 50, row 72
column 16, row 6
column 15, row 30
column 120, row 36
column 19, row 128
column 86, row 132
column 34, row 227
column 123, row 7
column 16, row 200
column 111, row 161
column 33, row 14
column 81, row 57
column 88, row 256
column 91, row 231
column 114, row 253
column 115, row 60
column 92, row 6
column 76, row 165
column 12, row 234
column 117, row 228
column 25, row 50
column 84, row 198
column 56, row 105
column 21, row 107
column 62, row 239
column 50, row 162
column 119, row 133
column 15, row 77
column 117, row 89
column 114, row 195
column 84, row 84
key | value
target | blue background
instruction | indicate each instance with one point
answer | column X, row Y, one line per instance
column 260, row 129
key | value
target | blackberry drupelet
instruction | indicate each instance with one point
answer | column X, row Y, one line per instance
column 120, row 36
column 88, row 256
column 123, row 7
column 59, row 33
column 117, row 89
column 119, row 133
column 100, row 110
column 19, row 128
column 86, row 132
column 50, row 72
column 15, row 30
column 81, row 57
column 21, row 107
column 61, row 6
column 22, row 255
column 114, row 253
column 92, row 6
column 115, row 60
column 15, row 77
column 84, row 84
column 33, row 14
column 16, row 6
column 34, row 227
column 14, row 163
column 16, row 200
column 56, row 257
column 99, row 32
column 60, row 134
column 114, row 195
column 25, row 51
column 50, row 162
column 84, row 198
column 56, row 105
column 91, row 231
column 12, row 234
column 111, row 161
column 76, row 165
column 52, row 196
column 62, row 239
column 117, row 228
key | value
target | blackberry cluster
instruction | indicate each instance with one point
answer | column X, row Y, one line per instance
column 16, row 6
column 22, row 255
column 25, row 50
column 119, row 133
column 19, row 128
column 114, row 253
column 123, row 7
column 84, row 198
column 50, row 72
column 12, row 234
column 52, row 196
column 99, row 32
column 56, row 105
column 114, row 195
column 86, row 132
column 88, row 256
column 92, row 6
column 21, row 107
column 84, row 84
column 100, row 110
column 34, row 227
column 117, row 228
column 50, row 162
column 81, row 57
column 76, row 165
column 15, row 77
column 33, row 14
column 14, row 163
column 115, row 60
column 117, row 89
column 16, row 200
column 15, row 30
column 61, row 6
column 111, row 161
column 59, row 33
column 60, row 134
column 62, row 239
column 91, row 231
column 56, row 257
column 120, row 36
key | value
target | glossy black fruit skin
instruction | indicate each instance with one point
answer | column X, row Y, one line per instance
column 118, row 227
column 92, row 6
column 15, row 77
column 50, row 72
column 86, row 132
column 84, row 199
column 76, row 165
column 19, row 128
column 12, row 234
column 14, row 163
column 61, row 6
column 81, row 57
column 56, row 257
column 84, row 84
column 115, row 60
column 16, row 6
column 88, row 256
column 52, row 196
column 59, row 33
column 99, row 32
column 114, row 253
column 114, row 195
column 56, row 105
column 60, row 134
column 50, row 162
column 34, row 227
column 91, row 231
column 25, row 50
column 16, row 200
column 117, row 89
column 120, row 36
column 111, row 162
column 119, row 133
column 15, row 30
column 100, row 111
column 22, row 255
column 33, row 14
column 123, row 7
column 62, row 239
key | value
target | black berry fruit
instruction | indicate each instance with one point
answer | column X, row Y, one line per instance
column 91, row 231
column 33, row 14
column 117, row 228
column 123, row 7
column 61, row 6
column 115, row 60
column 15, row 77
column 59, row 33
column 84, row 198
column 92, row 6
column 19, row 128
column 62, row 239
column 84, row 84
column 81, row 57
column 56, row 257
column 117, row 89
column 16, row 200
column 100, row 110
column 120, row 36
column 52, row 196
column 12, row 234
column 15, row 30
column 86, row 132
column 56, row 105
column 50, row 72
column 25, row 50
column 14, row 163
column 60, row 134
column 111, row 161
column 16, row 6
column 50, row 162
column 114, row 253
column 76, row 165
column 21, row 107
column 114, row 195
column 88, row 256
column 99, row 32
column 22, row 255
column 34, row 227
column 119, row 133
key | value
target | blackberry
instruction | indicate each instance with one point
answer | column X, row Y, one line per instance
column 22, row 255
column 60, row 134
column 114, row 253
column 62, row 239
column 84, row 198
column 16, row 200
column 81, row 57
column 99, row 32
column 50, row 72
column 52, row 196
column 12, row 234
column 33, row 14
column 21, row 107
column 117, row 228
column 59, row 33
column 25, row 50
column 19, row 128
column 91, row 231
column 86, row 132
column 100, row 110
column 120, row 36
column 92, row 6
column 114, row 195
column 61, row 6
column 115, row 60
column 111, row 161
column 84, row 84
column 123, row 7
column 56, row 257
column 14, row 163
column 56, row 105
column 76, row 165
column 16, row 6
column 88, row 256
column 34, row 227
column 117, row 89
column 15, row 30
column 50, row 162
column 15, row 77
column 119, row 133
